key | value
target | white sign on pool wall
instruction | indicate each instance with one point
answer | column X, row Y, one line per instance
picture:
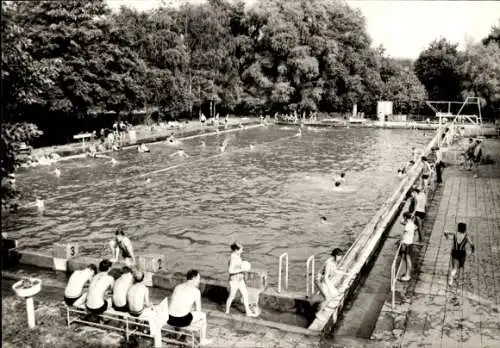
column 384, row 108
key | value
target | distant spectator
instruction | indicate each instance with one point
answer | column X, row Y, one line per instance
column 469, row 153
column 420, row 206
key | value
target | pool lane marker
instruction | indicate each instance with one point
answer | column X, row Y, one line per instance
column 161, row 170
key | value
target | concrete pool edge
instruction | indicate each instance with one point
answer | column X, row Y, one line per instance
column 212, row 290
column 240, row 318
column 365, row 246
column 78, row 151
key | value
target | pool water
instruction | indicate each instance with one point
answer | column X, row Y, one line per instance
column 268, row 197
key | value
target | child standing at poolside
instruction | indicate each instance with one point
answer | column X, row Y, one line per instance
column 458, row 251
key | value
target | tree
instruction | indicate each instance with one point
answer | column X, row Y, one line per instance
column 23, row 80
column 494, row 36
column 401, row 85
column 438, row 68
column 481, row 75
column 98, row 68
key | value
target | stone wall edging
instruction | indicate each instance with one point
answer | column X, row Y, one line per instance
column 213, row 290
column 365, row 246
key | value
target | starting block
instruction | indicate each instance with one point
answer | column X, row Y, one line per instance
column 61, row 253
column 150, row 264
column 256, row 282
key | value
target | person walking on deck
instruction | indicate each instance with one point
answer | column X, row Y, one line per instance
column 237, row 280
column 459, row 252
column 407, row 238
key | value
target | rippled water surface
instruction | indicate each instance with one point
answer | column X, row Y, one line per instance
column 269, row 198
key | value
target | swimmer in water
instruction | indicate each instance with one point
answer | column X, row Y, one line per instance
column 180, row 153
column 148, row 180
column 40, row 204
column 343, row 189
column 113, row 161
column 341, row 178
column 252, row 147
column 142, row 148
column 203, row 144
column 299, row 134
column 323, row 220
column 57, row 172
column 172, row 140
column 224, row 145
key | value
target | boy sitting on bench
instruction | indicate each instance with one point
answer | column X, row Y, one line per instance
column 184, row 297
column 76, row 283
column 102, row 282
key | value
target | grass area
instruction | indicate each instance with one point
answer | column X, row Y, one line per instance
column 51, row 330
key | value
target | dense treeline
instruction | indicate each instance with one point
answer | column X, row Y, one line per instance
column 278, row 56
column 63, row 59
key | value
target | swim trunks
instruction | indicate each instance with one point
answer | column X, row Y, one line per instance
column 70, row 300
column 180, row 321
column 100, row 310
column 420, row 214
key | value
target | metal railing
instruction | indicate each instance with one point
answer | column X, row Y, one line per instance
column 310, row 276
column 394, row 275
column 284, row 257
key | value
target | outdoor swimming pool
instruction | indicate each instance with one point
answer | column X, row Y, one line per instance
column 269, row 198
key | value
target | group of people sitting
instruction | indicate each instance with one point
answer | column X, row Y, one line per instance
column 128, row 293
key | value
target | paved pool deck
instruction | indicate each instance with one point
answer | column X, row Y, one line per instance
column 429, row 312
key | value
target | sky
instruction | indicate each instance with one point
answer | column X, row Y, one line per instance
column 403, row 27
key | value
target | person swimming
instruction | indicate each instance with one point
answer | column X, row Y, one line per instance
column 142, row 148
column 40, row 204
column 345, row 189
column 323, row 220
column 180, row 153
column 203, row 144
column 299, row 134
column 224, row 144
column 113, row 161
column 57, row 172
column 252, row 146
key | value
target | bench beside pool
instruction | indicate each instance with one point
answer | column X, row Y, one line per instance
column 142, row 325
